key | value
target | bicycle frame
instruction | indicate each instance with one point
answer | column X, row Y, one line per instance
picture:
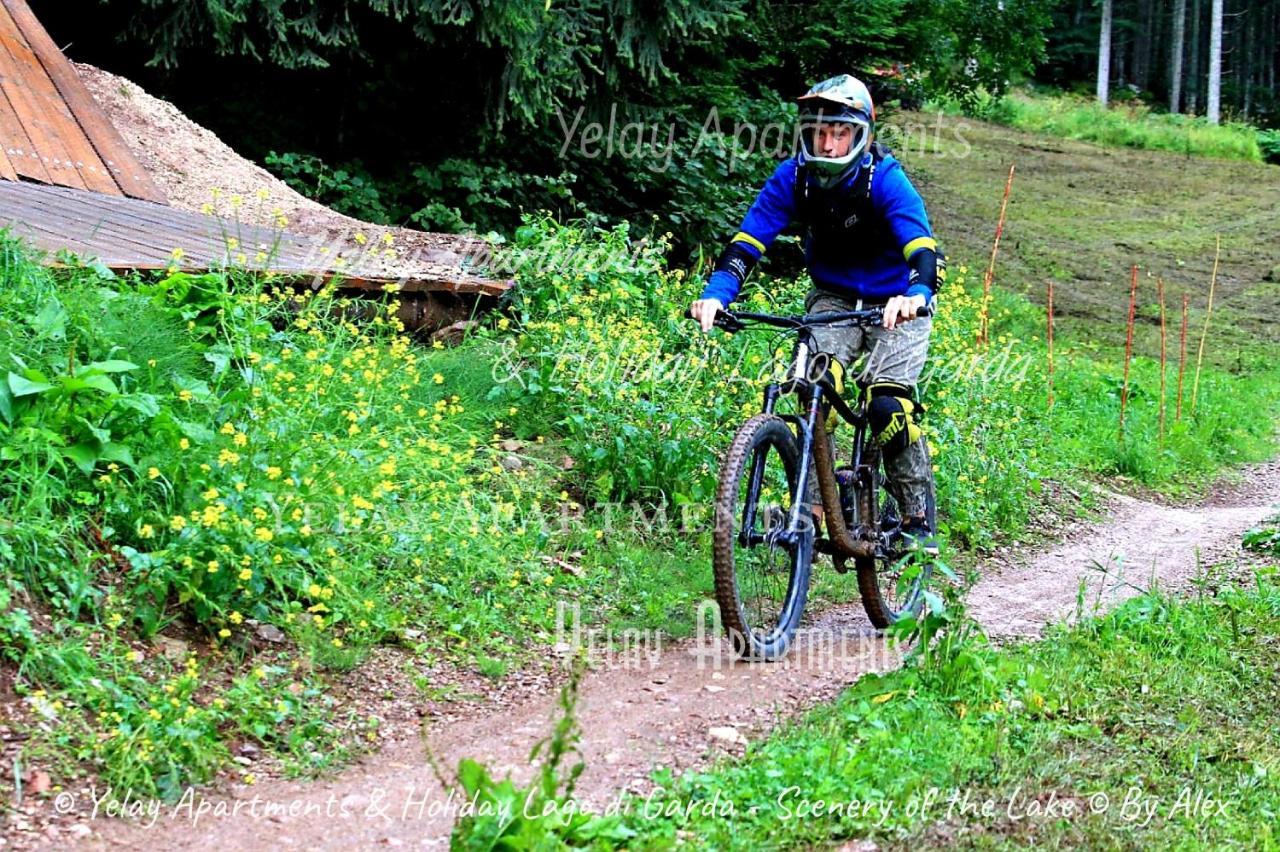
column 868, row 543
column 811, row 395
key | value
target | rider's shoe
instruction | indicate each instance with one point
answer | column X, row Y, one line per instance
column 917, row 536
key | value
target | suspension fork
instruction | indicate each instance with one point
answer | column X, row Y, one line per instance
column 756, row 478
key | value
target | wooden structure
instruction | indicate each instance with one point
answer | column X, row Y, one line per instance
column 69, row 183
column 127, row 233
column 51, row 129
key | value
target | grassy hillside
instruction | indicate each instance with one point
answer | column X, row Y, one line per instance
column 1081, row 214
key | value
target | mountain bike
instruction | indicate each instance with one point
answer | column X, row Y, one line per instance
column 764, row 539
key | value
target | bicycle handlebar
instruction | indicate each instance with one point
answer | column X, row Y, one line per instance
column 734, row 321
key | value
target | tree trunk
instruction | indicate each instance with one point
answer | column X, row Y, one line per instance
column 1104, row 53
column 1214, row 107
column 1269, row 50
column 1193, row 87
column 1175, row 70
column 1246, row 71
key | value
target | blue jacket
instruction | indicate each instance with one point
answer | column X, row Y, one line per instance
column 863, row 271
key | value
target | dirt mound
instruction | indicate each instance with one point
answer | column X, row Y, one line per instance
column 200, row 172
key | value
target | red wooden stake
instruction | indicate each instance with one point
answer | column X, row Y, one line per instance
column 1182, row 357
column 1049, row 312
column 1128, row 346
column 991, row 266
column 1163, row 337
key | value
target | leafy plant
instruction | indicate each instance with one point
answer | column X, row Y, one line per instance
column 544, row 814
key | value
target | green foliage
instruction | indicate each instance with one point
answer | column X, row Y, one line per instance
column 604, row 351
column 1265, row 538
column 1147, row 692
column 150, row 727
column 550, row 56
column 975, row 46
column 1269, row 145
column 1131, row 125
column 543, row 815
column 348, row 189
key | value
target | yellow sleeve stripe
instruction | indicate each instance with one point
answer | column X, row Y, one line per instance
column 917, row 244
column 744, row 237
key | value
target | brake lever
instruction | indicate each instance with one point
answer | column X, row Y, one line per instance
column 728, row 322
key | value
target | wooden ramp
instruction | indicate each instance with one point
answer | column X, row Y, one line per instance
column 68, row 182
column 51, row 129
column 128, row 233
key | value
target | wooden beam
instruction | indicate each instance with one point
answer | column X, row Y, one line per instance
column 114, row 152
column 78, row 156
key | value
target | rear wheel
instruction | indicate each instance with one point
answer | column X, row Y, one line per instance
column 761, row 577
column 892, row 586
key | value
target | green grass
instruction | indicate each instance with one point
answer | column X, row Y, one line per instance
column 1081, row 215
column 1120, row 732
column 1159, row 697
column 252, row 459
column 1122, row 124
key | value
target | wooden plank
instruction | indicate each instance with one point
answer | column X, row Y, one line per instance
column 195, row 226
column 6, row 167
column 50, row 241
column 95, row 225
column 78, row 204
column 62, row 125
column 18, row 88
column 128, row 172
column 16, row 143
column 92, row 226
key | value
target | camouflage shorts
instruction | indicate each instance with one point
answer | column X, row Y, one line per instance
column 887, row 355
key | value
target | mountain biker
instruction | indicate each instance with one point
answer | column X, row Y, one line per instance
column 868, row 244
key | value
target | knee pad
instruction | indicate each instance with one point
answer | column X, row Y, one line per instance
column 890, row 411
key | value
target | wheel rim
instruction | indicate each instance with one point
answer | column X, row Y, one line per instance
column 764, row 567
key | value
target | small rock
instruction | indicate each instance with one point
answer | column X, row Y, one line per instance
column 79, row 829
column 243, row 761
column 712, row 688
column 249, row 749
column 728, row 735
column 412, row 635
column 270, row 633
column 511, row 445
column 453, row 334
column 38, row 781
column 511, row 462
column 173, row 649
column 354, row 803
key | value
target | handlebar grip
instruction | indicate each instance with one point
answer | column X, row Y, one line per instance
column 926, row 311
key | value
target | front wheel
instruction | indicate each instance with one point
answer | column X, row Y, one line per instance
column 892, row 585
column 761, row 569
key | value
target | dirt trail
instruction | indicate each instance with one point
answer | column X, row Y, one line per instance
column 663, row 711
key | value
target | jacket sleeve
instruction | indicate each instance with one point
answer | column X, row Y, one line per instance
column 903, row 208
column 771, row 212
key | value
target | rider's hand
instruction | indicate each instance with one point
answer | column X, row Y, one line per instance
column 902, row 308
column 705, row 310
